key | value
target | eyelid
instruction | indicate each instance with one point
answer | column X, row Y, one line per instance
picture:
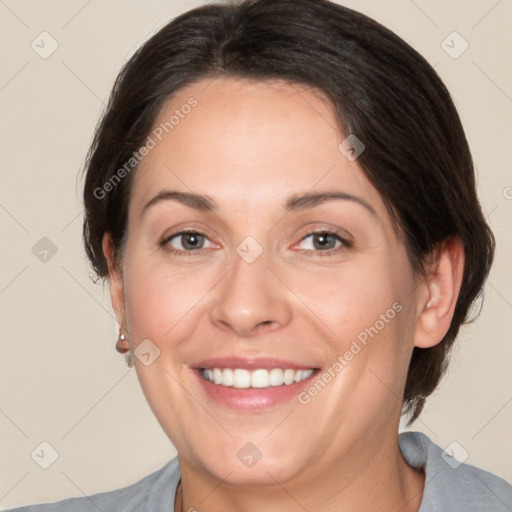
column 320, row 228
column 187, row 227
column 166, row 238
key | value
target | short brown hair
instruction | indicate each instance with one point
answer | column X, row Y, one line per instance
column 416, row 155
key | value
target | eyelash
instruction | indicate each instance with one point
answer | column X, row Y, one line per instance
column 345, row 244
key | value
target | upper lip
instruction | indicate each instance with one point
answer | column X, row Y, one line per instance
column 250, row 363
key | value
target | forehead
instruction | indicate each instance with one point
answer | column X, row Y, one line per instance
column 248, row 144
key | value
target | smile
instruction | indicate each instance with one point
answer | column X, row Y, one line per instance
column 242, row 378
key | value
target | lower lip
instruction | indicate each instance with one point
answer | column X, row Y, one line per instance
column 253, row 399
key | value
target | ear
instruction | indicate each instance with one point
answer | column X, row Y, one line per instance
column 439, row 293
column 116, row 284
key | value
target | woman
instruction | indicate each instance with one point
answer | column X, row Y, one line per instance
column 282, row 199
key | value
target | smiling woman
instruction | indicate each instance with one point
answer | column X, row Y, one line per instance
column 289, row 263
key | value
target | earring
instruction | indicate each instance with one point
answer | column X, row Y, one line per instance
column 123, row 350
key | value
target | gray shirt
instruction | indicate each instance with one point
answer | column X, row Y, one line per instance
column 449, row 486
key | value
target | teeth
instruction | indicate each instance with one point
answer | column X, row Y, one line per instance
column 228, row 378
column 242, row 379
column 217, row 376
column 260, row 379
column 289, row 376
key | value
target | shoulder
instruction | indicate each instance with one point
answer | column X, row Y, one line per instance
column 153, row 492
column 450, row 484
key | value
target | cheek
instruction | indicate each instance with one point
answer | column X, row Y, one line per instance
column 365, row 312
column 161, row 303
column 351, row 298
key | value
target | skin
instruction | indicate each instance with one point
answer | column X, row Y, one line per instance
column 249, row 146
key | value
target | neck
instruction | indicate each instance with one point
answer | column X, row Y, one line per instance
column 371, row 476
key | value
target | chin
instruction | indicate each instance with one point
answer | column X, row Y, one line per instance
column 250, row 465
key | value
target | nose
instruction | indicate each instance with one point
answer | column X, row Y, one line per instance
column 251, row 299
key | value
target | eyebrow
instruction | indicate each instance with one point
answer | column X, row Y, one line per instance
column 293, row 203
column 310, row 200
column 196, row 201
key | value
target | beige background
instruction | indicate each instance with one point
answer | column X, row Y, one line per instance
column 61, row 380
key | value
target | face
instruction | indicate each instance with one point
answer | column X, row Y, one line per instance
column 260, row 257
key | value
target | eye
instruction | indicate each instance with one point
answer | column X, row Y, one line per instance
column 323, row 241
column 186, row 241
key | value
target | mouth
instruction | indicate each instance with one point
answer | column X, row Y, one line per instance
column 261, row 378
column 252, row 384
